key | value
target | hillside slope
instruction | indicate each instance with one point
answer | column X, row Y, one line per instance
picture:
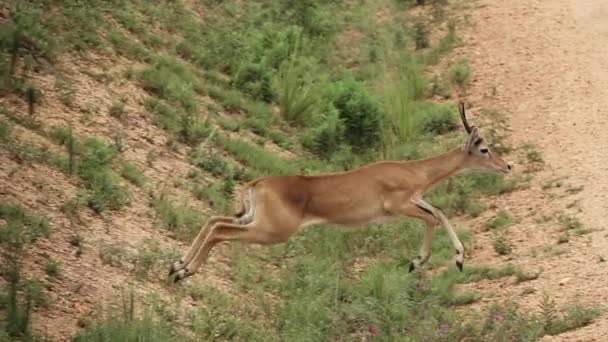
column 549, row 76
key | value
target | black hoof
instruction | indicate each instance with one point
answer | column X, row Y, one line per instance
column 459, row 265
column 412, row 267
column 181, row 275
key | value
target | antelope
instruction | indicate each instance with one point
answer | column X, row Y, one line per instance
column 273, row 208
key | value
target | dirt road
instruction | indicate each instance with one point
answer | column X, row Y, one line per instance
column 545, row 64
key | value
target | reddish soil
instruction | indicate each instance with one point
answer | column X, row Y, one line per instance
column 544, row 64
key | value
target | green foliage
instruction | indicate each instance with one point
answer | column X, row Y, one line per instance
column 502, row 246
column 460, row 72
column 173, row 80
column 421, row 38
column 117, row 109
column 132, row 173
column 360, row 113
column 327, row 136
column 296, row 90
column 151, row 257
column 52, row 268
column 122, row 322
column 21, row 227
column 18, row 296
column 255, row 80
column 95, row 168
column 180, row 219
column 260, row 160
column 210, row 161
column 501, row 220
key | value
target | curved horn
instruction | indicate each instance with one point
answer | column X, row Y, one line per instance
column 463, row 116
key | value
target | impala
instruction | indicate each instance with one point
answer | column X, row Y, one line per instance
column 275, row 207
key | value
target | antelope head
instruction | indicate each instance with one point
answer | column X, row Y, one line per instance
column 477, row 154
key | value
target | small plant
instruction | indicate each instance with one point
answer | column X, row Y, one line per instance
column 117, row 109
column 67, row 91
column 132, row 173
column 210, row 162
column 151, row 257
column 420, row 35
column 52, row 268
column 501, row 220
column 569, row 222
column 502, row 246
column 180, row 218
column 460, row 72
column 533, row 154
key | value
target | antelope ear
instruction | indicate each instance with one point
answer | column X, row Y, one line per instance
column 472, row 140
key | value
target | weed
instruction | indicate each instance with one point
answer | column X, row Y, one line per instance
column 210, row 161
column 19, row 296
column 117, row 109
column 113, row 254
column 52, row 268
column 501, row 220
column 460, row 72
column 151, row 257
column 569, row 222
column 181, row 218
column 67, row 91
column 421, row 39
column 132, row 173
column 502, row 246
column 533, row 154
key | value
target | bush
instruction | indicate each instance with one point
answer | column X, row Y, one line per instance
column 254, row 79
column 326, row 137
column 132, row 173
column 460, row 72
column 434, row 118
column 180, row 219
column 360, row 113
column 296, row 90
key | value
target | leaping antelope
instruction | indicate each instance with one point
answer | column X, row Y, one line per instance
column 275, row 207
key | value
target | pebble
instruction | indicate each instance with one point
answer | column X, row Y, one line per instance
column 564, row 281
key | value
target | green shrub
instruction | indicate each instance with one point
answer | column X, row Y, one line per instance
column 360, row 113
column 502, row 246
column 21, row 227
column 254, row 80
column 132, row 173
column 52, row 268
column 434, row 118
column 296, row 91
column 117, row 109
column 180, row 219
column 173, row 80
column 260, row 160
column 325, row 138
column 460, row 72
column 210, row 162
column 123, row 323
column 164, row 116
column 502, row 220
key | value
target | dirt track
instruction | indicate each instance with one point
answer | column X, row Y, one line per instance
column 545, row 64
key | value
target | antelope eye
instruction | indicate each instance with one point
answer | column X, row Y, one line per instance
column 483, row 150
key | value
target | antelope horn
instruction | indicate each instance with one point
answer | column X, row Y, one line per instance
column 463, row 116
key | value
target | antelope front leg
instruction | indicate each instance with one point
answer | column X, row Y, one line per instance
column 196, row 244
column 448, row 227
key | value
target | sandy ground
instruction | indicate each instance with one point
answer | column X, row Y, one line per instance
column 545, row 64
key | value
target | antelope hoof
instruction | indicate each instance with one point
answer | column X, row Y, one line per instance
column 181, row 275
column 459, row 265
column 178, row 265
